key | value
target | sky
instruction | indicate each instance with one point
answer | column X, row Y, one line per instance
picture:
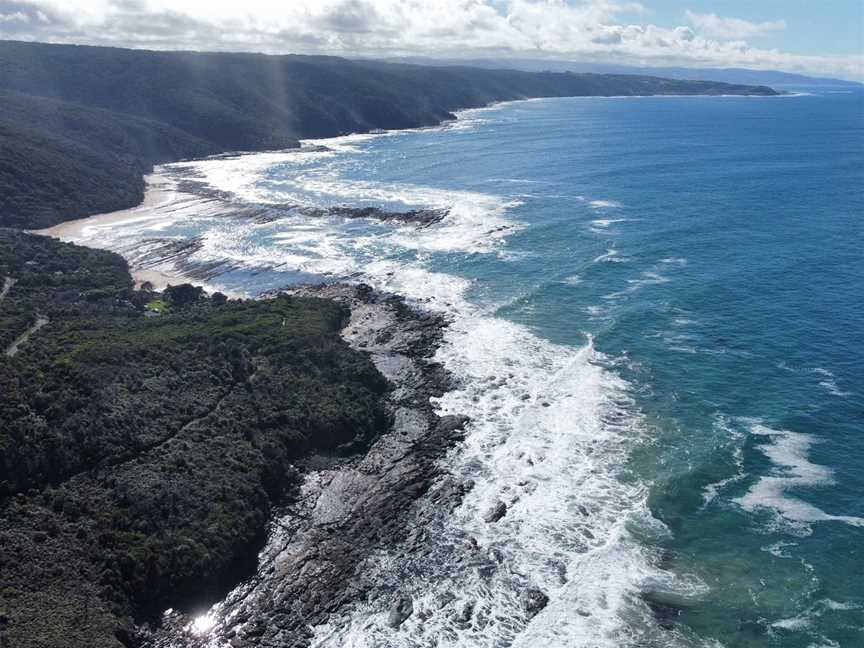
column 823, row 37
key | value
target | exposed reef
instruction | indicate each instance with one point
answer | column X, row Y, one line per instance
column 179, row 254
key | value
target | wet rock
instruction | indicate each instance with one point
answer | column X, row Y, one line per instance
column 465, row 613
column 255, row 629
column 664, row 612
column 533, row 601
column 402, row 608
column 452, row 426
column 445, row 599
column 561, row 571
column 485, row 569
column 496, row 512
column 419, row 217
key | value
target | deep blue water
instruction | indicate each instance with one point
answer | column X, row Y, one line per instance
column 674, row 290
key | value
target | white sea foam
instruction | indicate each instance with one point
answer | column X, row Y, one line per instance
column 788, row 451
column 550, row 429
column 521, row 181
column 778, row 549
column 475, row 221
column 735, row 440
column 799, row 622
column 604, row 223
column 831, row 387
column 684, row 348
column 611, row 256
column 807, row 618
column 475, row 113
column 203, row 623
column 646, row 278
column 604, row 204
column 829, row 382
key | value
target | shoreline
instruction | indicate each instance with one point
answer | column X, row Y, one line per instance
column 160, row 193
column 72, row 231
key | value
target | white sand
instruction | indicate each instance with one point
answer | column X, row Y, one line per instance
column 157, row 193
column 85, row 231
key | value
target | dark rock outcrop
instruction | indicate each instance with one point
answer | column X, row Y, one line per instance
column 533, row 601
column 495, row 512
column 403, row 607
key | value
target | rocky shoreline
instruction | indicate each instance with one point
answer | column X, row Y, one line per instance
column 317, row 567
column 347, row 508
column 147, row 460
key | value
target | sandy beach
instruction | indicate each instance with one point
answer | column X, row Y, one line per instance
column 159, row 192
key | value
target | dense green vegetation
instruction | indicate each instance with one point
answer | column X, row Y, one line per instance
column 59, row 160
column 140, row 455
column 79, row 124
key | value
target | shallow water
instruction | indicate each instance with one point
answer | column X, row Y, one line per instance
column 657, row 326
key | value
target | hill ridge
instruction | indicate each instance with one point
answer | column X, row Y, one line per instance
column 64, row 159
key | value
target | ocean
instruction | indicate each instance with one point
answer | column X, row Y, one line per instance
column 657, row 333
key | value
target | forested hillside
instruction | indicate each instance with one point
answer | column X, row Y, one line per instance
column 59, row 159
column 140, row 456
column 79, row 125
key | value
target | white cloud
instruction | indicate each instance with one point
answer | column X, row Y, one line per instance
column 18, row 16
column 590, row 30
column 731, row 28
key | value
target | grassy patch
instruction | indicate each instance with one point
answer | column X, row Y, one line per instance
column 157, row 306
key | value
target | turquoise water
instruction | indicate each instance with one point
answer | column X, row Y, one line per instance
column 657, row 312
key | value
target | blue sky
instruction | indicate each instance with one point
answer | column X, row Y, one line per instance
column 814, row 27
column 821, row 37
